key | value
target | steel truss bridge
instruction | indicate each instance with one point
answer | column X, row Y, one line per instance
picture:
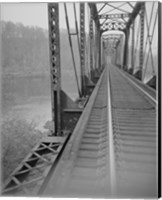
column 111, row 149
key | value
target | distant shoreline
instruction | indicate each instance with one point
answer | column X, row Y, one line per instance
column 29, row 75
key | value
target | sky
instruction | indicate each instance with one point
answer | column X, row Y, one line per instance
column 36, row 14
column 30, row 14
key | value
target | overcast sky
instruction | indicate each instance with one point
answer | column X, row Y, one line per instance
column 35, row 14
column 30, row 14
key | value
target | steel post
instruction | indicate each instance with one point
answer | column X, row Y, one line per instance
column 91, row 45
column 82, row 47
column 126, row 49
column 96, row 46
column 132, row 56
column 141, row 40
column 99, row 50
column 54, row 45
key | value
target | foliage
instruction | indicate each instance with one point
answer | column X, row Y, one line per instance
column 18, row 137
column 24, row 49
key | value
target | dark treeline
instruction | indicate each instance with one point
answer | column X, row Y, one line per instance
column 24, row 49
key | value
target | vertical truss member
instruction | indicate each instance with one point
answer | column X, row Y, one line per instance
column 97, row 32
column 125, row 67
column 148, row 42
column 54, row 45
column 82, row 47
column 141, row 40
column 132, row 56
column 71, row 47
column 91, row 43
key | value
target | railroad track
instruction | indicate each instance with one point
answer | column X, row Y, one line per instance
column 115, row 153
column 84, row 169
column 112, row 150
column 135, row 139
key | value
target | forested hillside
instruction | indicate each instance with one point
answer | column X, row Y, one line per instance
column 25, row 50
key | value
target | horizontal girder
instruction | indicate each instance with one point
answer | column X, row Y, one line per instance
column 113, row 26
column 114, row 16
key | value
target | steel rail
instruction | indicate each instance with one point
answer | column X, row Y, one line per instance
column 84, row 165
column 134, row 132
column 142, row 90
column 111, row 142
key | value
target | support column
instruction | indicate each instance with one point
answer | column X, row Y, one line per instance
column 54, row 45
column 99, row 49
column 82, row 47
column 141, row 40
column 132, row 56
column 98, row 46
column 91, row 45
column 125, row 63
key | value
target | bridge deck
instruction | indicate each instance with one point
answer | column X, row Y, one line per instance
column 112, row 150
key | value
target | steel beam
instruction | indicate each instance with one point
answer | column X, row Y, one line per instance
column 117, row 8
column 114, row 16
column 132, row 56
column 142, row 39
column 113, row 26
column 135, row 12
column 54, row 45
column 99, row 45
column 71, row 48
column 94, row 12
column 82, row 47
column 96, row 46
column 91, row 44
column 99, row 48
column 102, row 8
column 114, row 8
column 126, row 49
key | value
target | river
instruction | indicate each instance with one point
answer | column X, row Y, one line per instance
column 29, row 98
